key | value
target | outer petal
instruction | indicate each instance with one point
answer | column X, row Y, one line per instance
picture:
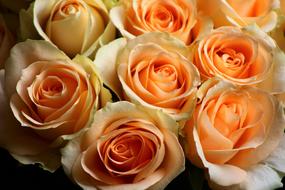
column 22, row 55
column 262, row 177
column 275, row 81
column 119, row 18
column 22, row 143
column 276, row 159
column 106, row 64
column 224, row 175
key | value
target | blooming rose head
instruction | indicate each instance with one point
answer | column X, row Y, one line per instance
column 238, row 56
column 6, row 42
column 51, row 96
column 126, row 147
column 151, row 70
column 241, row 13
column 176, row 17
column 233, row 129
column 74, row 26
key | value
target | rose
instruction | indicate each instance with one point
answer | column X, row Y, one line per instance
column 75, row 26
column 6, row 42
column 176, row 17
column 151, row 70
column 47, row 90
column 232, row 133
column 241, row 13
column 126, row 147
column 242, row 56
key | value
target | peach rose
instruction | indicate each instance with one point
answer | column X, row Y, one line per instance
column 232, row 133
column 242, row 56
column 74, row 26
column 151, row 70
column 51, row 96
column 126, row 147
column 6, row 42
column 241, row 13
column 176, row 17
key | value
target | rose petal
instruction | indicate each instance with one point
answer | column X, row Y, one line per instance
column 26, row 145
column 22, row 55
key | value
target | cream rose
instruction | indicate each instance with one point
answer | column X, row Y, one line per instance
column 241, row 13
column 232, row 133
column 176, row 17
column 126, row 147
column 51, row 96
column 242, row 56
column 6, row 42
column 151, row 70
column 74, row 26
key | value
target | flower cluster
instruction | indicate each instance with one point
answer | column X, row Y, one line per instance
column 122, row 94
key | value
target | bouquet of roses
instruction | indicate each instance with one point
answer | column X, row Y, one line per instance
column 121, row 94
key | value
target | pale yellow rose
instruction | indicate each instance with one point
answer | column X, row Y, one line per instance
column 244, row 56
column 151, row 70
column 6, row 42
column 176, row 17
column 127, row 147
column 74, row 26
column 241, row 12
column 233, row 133
column 52, row 98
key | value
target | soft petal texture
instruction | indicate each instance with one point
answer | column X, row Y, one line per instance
column 276, row 160
column 25, row 145
column 106, row 64
column 241, row 13
column 245, row 56
column 262, row 177
column 84, row 23
column 6, row 42
column 47, row 90
column 233, row 130
column 153, row 71
column 176, row 17
column 83, row 157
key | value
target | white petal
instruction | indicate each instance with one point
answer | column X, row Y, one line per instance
column 261, row 177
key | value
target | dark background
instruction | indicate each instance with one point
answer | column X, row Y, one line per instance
column 14, row 176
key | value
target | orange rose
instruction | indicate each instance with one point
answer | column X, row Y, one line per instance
column 241, row 13
column 239, row 56
column 176, row 17
column 47, row 91
column 127, row 147
column 232, row 132
column 151, row 70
